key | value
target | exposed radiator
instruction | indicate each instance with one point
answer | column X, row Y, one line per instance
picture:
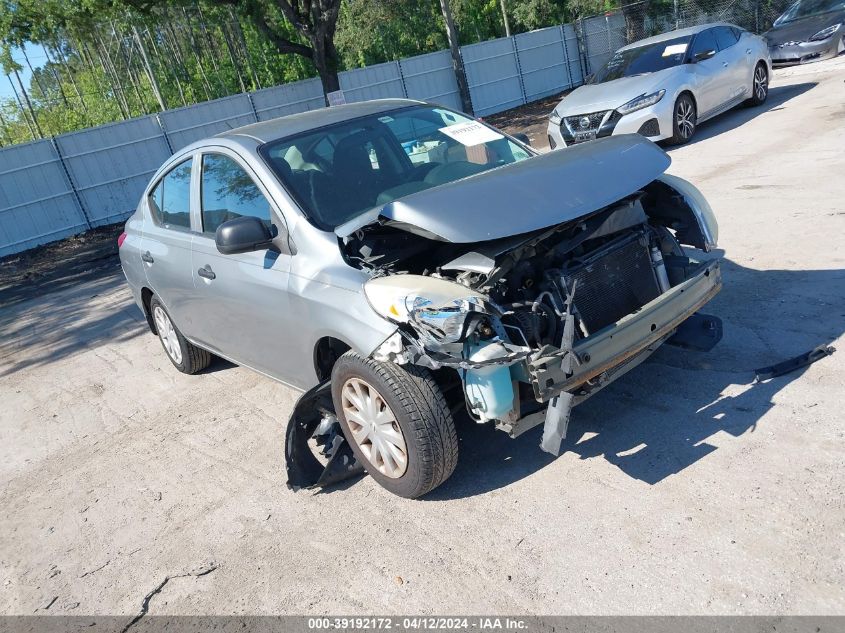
column 614, row 281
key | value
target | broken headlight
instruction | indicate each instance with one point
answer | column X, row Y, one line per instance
column 440, row 311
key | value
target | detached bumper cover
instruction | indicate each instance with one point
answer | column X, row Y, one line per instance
column 617, row 343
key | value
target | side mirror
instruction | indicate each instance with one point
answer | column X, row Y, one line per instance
column 700, row 57
column 522, row 138
column 243, row 235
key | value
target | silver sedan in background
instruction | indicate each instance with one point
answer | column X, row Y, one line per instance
column 809, row 31
column 664, row 86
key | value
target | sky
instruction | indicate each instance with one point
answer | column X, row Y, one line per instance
column 37, row 57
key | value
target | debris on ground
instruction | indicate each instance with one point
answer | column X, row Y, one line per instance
column 793, row 364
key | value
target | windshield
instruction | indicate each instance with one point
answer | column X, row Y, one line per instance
column 806, row 8
column 643, row 59
column 340, row 171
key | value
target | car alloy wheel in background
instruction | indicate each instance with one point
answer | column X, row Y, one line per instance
column 761, row 83
column 683, row 120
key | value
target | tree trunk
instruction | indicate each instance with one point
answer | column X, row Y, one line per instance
column 150, row 74
column 505, row 18
column 457, row 62
column 325, row 59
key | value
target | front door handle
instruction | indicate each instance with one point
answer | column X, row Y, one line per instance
column 725, row 64
column 206, row 272
column 747, row 51
column 146, row 257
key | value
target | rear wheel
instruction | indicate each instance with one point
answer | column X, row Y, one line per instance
column 684, row 118
column 185, row 356
column 397, row 422
column 759, row 85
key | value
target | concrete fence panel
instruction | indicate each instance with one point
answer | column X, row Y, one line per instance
column 277, row 101
column 430, row 77
column 382, row 81
column 110, row 165
column 37, row 203
column 492, row 70
column 186, row 125
column 543, row 62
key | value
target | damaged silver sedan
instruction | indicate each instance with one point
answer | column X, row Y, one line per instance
column 401, row 263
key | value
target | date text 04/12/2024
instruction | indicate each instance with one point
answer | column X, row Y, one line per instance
column 417, row 623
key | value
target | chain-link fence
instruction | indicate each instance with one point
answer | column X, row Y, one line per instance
column 649, row 17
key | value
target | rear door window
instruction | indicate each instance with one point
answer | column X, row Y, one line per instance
column 170, row 200
column 725, row 37
column 228, row 192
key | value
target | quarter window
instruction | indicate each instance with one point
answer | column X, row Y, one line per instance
column 170, row 201
column 228, row 192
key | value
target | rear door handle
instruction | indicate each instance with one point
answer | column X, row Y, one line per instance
column 206, row 272
column 725, row 64
column 747, row 51
column 146, row 257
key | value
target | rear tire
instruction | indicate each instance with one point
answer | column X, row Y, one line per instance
column 185, row 356
column 759, row 85
column 684, row 119
column 408, row 404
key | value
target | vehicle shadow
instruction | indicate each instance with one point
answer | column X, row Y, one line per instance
column 655, row 421
column 740, row 115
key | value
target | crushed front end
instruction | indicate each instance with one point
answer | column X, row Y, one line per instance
column 535, row 323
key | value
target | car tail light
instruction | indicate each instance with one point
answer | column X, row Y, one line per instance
column 121, row 239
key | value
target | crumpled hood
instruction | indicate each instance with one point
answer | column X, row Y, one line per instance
column 532, row 194
column 803, row 29
column 612, row 94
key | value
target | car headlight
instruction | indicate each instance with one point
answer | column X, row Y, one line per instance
column 555, row 118
column 440, row 310
column 825, row 33
column 643, row 101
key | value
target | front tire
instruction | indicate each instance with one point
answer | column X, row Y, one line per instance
column 397, row 422
column 185, row 356
column 759, row 85
column 684, row 119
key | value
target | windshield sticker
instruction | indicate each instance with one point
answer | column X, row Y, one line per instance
column 675, row 49
column 471, row 133
column 386, row 119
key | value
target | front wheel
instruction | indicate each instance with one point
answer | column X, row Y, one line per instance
column 759, row 86
column 397, row 422
column 684, row 119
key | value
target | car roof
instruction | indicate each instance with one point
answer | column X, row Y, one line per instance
column 292, row 124
column 671, row 35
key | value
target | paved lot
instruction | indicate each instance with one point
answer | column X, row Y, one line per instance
column 684, row 487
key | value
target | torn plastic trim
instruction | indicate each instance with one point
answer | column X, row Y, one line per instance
column 698, row 226
column 314, row 417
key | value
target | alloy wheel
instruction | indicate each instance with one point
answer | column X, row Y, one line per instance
column 167, row 334
column 374, row 428
column 685, row 118
column 761, row 83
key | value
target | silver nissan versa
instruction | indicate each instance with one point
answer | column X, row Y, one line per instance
column 401, row 262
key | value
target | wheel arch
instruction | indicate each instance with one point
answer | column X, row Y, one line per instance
column 326, row 352
column 146, row 297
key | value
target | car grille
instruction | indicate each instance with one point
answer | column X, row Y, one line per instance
column 613, row 282
column 594, row 119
